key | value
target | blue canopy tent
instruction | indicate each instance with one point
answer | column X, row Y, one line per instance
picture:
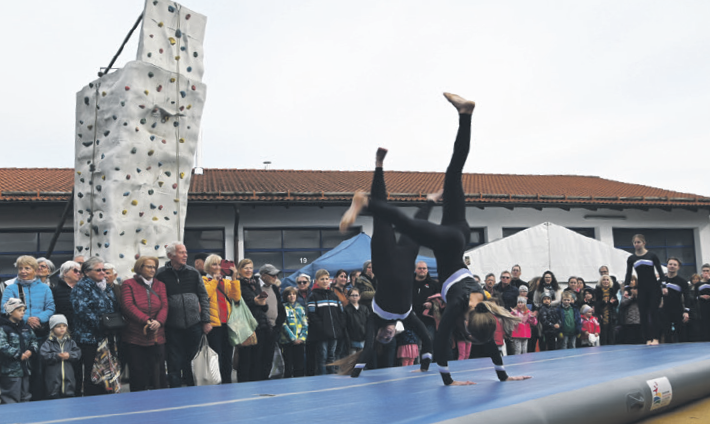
column 348, row 255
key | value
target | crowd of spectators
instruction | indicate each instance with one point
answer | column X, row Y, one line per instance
column 51, row 323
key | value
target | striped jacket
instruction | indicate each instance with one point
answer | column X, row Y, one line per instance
column 326, row 317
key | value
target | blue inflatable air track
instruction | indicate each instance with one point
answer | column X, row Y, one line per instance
column 611, row 384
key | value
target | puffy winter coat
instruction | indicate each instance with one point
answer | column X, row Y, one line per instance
column 15, row 339
column 231, row 289
column 139, row 304
column 326, row 320
column 38, row 299
column 59, row 374
column 296, row 325
column 90, row 303
column 188, row 303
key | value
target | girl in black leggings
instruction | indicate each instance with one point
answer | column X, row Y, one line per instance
column 466, row 308
column 393, row 263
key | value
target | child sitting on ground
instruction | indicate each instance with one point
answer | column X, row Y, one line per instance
column 17, row 344
column 58, row 353
column 590, row 327
column 521, row 334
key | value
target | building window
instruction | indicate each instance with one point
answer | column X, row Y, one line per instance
column 665, row 243
column 477, row 239
column 203, row 240
column 290, row 249
column 588, row 232
column 15, row 243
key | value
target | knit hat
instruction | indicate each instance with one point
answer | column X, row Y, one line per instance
column 546, row 294
column 522, row 299
column 12, row 304
column 55, row 320
column 523, row 288
column 585, row 309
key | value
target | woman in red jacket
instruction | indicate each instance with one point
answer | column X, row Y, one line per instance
column 144, row 303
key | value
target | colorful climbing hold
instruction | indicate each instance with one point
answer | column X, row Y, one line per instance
column 160, row 183
column 194, row 54
column 151, row 74
column 175, row 186
column 182, row 175
column 160, row 24
column 189, row 69
column 183, row 94
column 178, row 33
column 171, row 9
column 138, row 170
column 160, row 208
column 152, row 206
column 150, row 192
column 182, row 140
column 134, row 150
column 187, row 16
column 172, row 41
column 144, row 241
column 127, row 88
column 146, row 92
column 134, row 202
column 150, row 152
column 168, row 173
column 123, row 212
column 160, row 88
column 140, row 214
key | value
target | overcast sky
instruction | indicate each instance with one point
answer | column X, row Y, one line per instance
column 616, row 89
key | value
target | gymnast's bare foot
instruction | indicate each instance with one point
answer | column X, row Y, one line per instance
column 380, row 157
column 435, row 197
column 465, row 107
column 359, row 202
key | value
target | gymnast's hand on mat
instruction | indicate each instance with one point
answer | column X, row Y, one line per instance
column 518, row 377
column 463, row 383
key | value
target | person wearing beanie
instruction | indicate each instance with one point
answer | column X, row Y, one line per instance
column 549, row 323
column 17, row 344
column 521, row 334
column 590, row 327
column 59, row 354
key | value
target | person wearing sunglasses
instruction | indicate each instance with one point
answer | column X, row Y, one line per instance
column 69, row 275
column 91, row 298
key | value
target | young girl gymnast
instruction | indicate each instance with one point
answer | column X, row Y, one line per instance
column 393, row 262
column 466, row 306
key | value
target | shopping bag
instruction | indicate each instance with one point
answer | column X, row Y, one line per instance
column 205, row 365
column 107, row 369
column 241, row 324
column 277, row 367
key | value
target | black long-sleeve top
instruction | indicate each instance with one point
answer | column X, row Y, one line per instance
column 457, row 301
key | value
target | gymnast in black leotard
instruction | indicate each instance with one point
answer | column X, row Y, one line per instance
column 466, row 306
column 393, row 262
column 646, row 265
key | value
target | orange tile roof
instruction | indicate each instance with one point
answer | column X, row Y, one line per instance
column 289, row 186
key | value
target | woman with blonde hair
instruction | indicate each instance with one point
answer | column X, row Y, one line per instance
column 221, row 292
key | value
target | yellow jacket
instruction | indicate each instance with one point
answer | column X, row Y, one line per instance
column 233, row 290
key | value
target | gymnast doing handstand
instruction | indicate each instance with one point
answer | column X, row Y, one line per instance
column 393, row 262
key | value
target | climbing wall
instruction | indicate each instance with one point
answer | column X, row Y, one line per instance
column 136, row 135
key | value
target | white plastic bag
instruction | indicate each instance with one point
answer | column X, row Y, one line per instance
column 205, row 365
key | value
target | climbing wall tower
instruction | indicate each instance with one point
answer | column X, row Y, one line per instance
column 136, row 135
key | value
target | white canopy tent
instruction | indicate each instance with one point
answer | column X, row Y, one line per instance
column 548, row 247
